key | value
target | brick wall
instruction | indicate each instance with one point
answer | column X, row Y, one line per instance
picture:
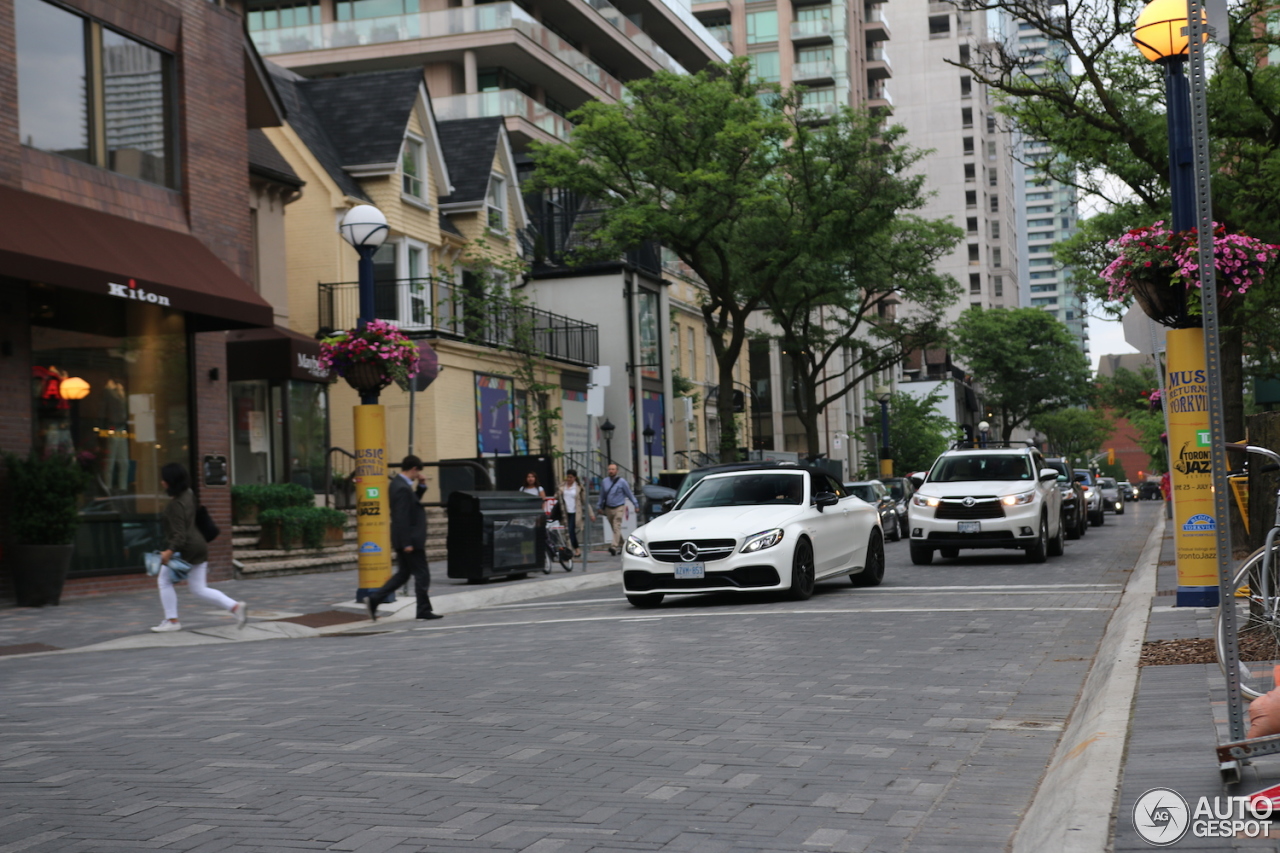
column 211, row 437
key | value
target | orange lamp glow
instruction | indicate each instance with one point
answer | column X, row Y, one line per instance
column 73, row 388
column 1161, row 30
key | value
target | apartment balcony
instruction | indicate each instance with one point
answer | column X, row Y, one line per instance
column 878, row 65
column 433, row 308
column 526, row 118
column 811, row 31
column 879, row 101
column 443, row 34
column 808, row 72
column 876, row 27
column 722, row 33
column 818, row 112
column 639, row 37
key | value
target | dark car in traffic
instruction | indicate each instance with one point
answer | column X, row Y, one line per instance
column 1075, row 514
column 901, row 490
column 877, row 494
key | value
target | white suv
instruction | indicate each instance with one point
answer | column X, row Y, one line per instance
column 987, row 498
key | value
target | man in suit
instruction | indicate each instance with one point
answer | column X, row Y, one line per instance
column 408, row 539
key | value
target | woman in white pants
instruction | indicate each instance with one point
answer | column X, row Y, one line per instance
column 183, row 537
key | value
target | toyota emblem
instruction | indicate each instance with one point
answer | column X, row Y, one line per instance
column 688, row 552
column 968, row 502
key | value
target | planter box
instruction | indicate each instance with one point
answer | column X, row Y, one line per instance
column 245, row 515
column 271, row 539
column 39, row 572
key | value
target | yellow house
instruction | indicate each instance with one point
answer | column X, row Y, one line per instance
column 445, row 275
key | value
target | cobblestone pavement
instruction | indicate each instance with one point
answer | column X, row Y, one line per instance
column 83, row 621
column 916, row 716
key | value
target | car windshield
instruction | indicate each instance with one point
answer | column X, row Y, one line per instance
column 864, row 492
column 1106, row 482
column 958, row 469
column 895, row 489
column 748, row 489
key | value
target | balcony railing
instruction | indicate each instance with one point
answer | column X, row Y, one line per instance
column 642, row 40
column 820, row 28
column 507, row 102
column 488, row 17
column 426, row 307
column 820, row 69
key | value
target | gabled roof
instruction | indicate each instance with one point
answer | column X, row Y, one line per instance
column 265, row 161
column 470, row 145
column 366, row 115
column 307, row 124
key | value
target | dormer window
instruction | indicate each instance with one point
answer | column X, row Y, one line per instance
column 412, row 168
column 496, row 203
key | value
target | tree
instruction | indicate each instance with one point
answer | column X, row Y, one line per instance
column 1025, row 361
column 1074, row 432
column 918, row 434
column 724, row 172
column 1128, row 394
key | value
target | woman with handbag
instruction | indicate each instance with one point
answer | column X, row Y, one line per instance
column 187, row 545
column 572, row 500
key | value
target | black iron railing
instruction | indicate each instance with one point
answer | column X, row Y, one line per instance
column 435, row 308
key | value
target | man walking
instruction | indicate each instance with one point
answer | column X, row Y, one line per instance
column 408, row 539
column 614, row 494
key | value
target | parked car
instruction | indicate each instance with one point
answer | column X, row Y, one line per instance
column 1130, row 491
column 695, row 476
column 768, row 527
column 901, row 490
column 1075, row 514
column 1150, row 491
column 877, row 494
column 1092, row 495
column 1112, row 497
column 654, row 501
column 987, row 498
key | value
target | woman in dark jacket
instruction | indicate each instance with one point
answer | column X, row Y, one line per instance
column 184, row 539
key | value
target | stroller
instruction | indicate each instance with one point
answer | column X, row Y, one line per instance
column 558, row 547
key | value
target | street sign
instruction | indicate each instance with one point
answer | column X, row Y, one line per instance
column 595, row 401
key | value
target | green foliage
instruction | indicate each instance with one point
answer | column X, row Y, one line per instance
column 918, row 434
column 269, row 496
column 681, row 386
column 1126, row 394
column 308, row 523
column 1073, row 432
column 43, row 497
column 1025, row 361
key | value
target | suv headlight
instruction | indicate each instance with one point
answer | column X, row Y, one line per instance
column 1019, row 500
column 762, row 540
column 925, row 500
column 635, row 547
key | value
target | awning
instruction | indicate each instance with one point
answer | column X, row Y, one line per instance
column 66, row 245
column 275, row 353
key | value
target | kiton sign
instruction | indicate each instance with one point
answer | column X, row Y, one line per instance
column 132, row 291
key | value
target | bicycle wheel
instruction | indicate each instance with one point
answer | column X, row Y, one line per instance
column 1257, row 609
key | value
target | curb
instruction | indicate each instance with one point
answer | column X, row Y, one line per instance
column 456, row 602
column 1073, row 805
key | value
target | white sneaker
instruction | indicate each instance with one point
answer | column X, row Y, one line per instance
column 241, row 612
column 166, row 626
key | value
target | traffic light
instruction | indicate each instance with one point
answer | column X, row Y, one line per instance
column 1111, row 456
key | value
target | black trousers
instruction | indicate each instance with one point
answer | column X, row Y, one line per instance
column 412, row 564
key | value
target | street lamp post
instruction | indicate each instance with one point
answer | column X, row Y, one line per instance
column 606, row 429
column 984, row 427
column 648, row 443
column 883, row 395
column 365, row 228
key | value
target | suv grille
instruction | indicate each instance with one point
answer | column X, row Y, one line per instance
column 983, row 507
column 709, row 550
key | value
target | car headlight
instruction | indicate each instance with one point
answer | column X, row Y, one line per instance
column 1088, row 493
column 635, row 547
column 1019, row 500
column 925, row 500
column 762, row 540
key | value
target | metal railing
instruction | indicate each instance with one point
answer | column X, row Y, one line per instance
column 503, row 103
column 428, row 307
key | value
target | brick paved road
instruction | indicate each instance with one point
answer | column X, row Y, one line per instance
column 917, row 716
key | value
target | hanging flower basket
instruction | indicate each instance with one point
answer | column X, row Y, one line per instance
column 371, row 358
column 1160, row 270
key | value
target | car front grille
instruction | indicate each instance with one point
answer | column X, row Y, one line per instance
column 709, row 550
column 743, row 577
column 983, row 507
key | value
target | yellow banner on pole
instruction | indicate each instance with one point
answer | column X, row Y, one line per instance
column 1186, row 401
column 373, row 507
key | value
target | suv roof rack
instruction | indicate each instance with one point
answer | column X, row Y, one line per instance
column 991, row 444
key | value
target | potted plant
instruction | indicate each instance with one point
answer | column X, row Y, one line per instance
column 371, row 358
column 249, row 500
column 43, row 519
column 1160, row 270
column 301, row 527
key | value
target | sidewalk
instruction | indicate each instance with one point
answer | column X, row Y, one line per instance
column 309, row 603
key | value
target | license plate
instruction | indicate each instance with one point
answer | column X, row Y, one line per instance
column 968, row 527
column 691, row 570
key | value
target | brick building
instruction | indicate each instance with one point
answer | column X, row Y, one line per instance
column 125, row 253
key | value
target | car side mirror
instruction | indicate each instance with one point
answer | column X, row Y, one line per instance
column 917, row 482
column 1080, row 478
column 825, row 499
column 668, row 504
column 1048, row 475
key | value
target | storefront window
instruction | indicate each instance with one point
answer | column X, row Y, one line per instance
column 110, row 385
column 308, row 433
column 280, row 432
column 250, row 444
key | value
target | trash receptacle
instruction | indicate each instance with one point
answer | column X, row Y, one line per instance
column 495, row 534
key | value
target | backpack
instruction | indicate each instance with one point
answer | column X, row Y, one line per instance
column 205, row 524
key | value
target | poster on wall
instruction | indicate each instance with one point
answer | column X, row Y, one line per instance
column 655, row 419
column 493, row 414
column 573, row 413
column 650, row 348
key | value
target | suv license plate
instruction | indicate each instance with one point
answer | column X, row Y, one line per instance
column 691, row 570
column 968, row 527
